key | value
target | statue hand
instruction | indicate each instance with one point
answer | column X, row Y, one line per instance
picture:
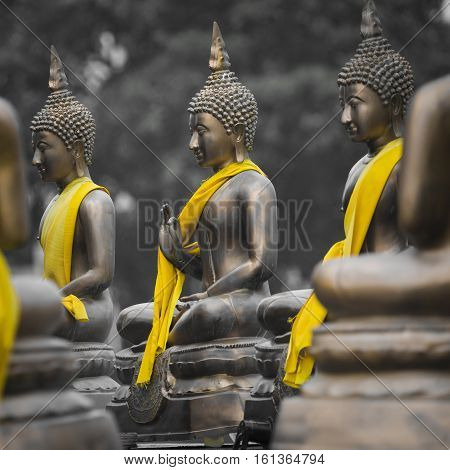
column 194, row 297
column 169, row 234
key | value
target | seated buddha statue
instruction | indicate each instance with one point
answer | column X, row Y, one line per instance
column 13, row 228
column 226, row 236
column 417, row 280
column 374, row 89
column 77, row 230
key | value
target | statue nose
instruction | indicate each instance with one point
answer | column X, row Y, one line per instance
column 193, row 144
column 345, row 116
column 37, row 160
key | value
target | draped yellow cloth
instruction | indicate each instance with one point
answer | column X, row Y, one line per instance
column 169, row 281
column 57, row 239
column 359, row 213
column 9, row 315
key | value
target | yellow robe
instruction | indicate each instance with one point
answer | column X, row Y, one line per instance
column 169, row 281
column 9, row 315
column 359, row 213
column 57, row 239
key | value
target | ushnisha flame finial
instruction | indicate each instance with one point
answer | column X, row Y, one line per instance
column 58, row 79
column 370, row 23
column 223, row 96
column 219, row 59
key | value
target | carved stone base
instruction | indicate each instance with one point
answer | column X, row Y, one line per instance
column 66, row 421
column 382, row 383
column 357, row 423
column 196, row 391
column 39, row 411
column 95, row 365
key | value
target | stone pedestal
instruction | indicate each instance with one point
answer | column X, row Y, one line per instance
column 39, row 411
column 197, row 392
column 95, row 365
column 383, row 382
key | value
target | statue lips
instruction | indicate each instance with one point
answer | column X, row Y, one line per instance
column 351, row 130
column 199, row 156
column 41, row 170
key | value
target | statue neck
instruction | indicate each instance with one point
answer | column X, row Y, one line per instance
column 72, row 176
column 377, row 144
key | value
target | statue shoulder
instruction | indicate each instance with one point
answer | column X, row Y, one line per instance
column 256, row 185
column 97, row 204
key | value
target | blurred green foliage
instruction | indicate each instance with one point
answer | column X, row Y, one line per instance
column 145, row 59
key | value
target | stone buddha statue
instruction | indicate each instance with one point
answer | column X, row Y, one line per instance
column 77, row 231
column 374, row 89
column 13, row 227
column 226, row 236
column 388, row 336
column 36, row 411
column 416, row 280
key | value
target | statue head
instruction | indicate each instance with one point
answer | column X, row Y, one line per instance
column 223, row 114
column 375, row 85
column 63, row 130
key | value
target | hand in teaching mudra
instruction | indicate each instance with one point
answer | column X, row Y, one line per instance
column 170, row 240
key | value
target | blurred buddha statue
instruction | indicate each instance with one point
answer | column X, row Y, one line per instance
column 13, row 227
column 226, row 236
column 416, row 280
column 374, row 89
column 77, row 231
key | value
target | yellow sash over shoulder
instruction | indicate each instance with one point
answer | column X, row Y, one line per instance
column 169, row 281
column 9, row 315
column 57, row 239
column 359, row 213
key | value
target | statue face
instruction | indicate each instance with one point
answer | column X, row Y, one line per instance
column 210, row 143
column 52, row 159
column 364, row 116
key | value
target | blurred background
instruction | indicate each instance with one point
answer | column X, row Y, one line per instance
column 143, row 60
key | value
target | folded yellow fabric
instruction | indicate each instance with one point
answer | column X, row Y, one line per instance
column 169, row 281
column 359, row 213
column 57, row 239
column 9, row 315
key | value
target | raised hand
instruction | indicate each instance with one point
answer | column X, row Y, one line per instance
column 170, row 240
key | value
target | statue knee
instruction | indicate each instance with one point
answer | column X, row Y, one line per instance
column 261, row 311
column 135, row 323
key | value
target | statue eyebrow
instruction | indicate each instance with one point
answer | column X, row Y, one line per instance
column 354, row 96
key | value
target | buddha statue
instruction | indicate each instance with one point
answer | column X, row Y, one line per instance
column 416, row 280
column 36, row 411
column 383, row 360
column 374, row 89
column 13, row 228
column 77, row 230
column 226, row 236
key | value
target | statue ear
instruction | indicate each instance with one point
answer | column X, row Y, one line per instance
column 78, row 156
column 397, row 114
column 239, row 132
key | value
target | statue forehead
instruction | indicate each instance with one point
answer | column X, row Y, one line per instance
column 205, row 119
column 357, row 89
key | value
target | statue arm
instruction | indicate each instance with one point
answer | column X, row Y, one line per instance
column 259, row 217
column 97, row 219
column 13, row 213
